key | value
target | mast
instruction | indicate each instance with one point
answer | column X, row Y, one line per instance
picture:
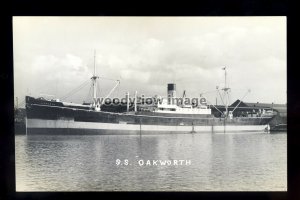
column 94, row 78
column 226, row 89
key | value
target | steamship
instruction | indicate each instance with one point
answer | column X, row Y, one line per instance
column 52, row 116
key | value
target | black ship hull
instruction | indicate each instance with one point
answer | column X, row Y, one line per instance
column 45, row 117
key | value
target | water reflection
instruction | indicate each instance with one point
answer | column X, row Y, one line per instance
column 240, row 161
column 88, row 163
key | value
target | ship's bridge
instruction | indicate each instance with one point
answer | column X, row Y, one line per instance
column 164, row 107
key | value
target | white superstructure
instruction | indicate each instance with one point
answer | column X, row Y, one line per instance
column 164, row 107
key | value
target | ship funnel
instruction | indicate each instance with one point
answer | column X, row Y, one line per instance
column 171, row 92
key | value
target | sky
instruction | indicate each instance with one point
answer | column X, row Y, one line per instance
column 54, row 55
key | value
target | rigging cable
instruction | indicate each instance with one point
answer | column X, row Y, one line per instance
column 88, row 97
column 75, row 90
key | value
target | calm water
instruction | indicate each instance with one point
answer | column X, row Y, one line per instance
column 213, row 162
